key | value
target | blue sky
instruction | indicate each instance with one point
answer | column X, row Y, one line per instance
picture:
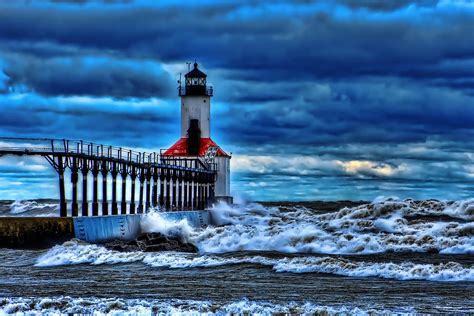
column 316, row 100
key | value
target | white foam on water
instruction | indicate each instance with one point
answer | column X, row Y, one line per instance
column 450, row 271
column 385, row 225
column 115, row 306
column 154, row 222
column 76, row 252
column 20, row 207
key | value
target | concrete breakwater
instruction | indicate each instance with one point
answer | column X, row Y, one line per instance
column 34, row 232
column 44, row 232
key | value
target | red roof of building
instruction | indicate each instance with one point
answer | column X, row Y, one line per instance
column 180, row 148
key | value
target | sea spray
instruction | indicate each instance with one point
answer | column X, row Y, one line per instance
column 76, row 252
column 60, row 305
column 39, row 208
column 308, row 241
column 387, row 225
column 154, row 222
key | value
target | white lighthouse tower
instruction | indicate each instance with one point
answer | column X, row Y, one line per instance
column 196, row 129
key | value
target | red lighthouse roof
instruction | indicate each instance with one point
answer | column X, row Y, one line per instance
column 180, row 148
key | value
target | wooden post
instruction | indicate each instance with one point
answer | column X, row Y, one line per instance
column 148, row 189
column 133, row 176
column 142, row 180
column 105, row 205
column 62, row 191
column 123, row 206
column 85, row 202
column 114, row 173
column 74, row 180
column 95, row 189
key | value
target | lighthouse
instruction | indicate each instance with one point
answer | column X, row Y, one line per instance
column 196, row 138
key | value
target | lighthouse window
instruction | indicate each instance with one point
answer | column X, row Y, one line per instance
column 202, row 81
column 195, row 82
column 188, row 81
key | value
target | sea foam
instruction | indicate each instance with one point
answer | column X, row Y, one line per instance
column 387, row 225
column 76, row 252
column 380, row 227
column 117, row 306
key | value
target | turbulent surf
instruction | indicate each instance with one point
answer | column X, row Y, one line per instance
column 355, row 251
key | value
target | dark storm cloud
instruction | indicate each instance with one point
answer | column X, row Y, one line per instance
column 88, row 76
column 381, row 110
column 88, row 1
column 354, row 98
column 376, row 5
column 270, row 46
column 146, row 124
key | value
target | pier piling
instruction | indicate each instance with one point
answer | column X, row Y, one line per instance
column 85, row 202
column 140, row 198
column 180, row 190
column 182, row 183
column 155, row 187
column 74, row 180
column 186, row 190
column 114, row 173
column 62, row 190
column 123, row 205
column 168, row 190
column 105, row 205
column 133, row 176
column 148, row 189
column 95, row 189
column 162, row 188
column 195, row 192
column 173, row 186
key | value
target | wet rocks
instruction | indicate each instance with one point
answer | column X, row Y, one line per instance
column 151, row 242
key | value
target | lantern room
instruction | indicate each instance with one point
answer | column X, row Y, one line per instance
column 195, row 83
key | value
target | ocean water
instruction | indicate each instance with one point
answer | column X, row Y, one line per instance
column 388, row 256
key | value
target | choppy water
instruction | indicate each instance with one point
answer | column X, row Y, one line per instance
column 383, row 257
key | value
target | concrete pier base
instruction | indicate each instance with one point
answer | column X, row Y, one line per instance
column 42, row 232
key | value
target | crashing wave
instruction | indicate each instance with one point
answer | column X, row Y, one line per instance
column 115, row 306
column 387, row 225
column 76, row 252
column 383, row 226
column 31, row 207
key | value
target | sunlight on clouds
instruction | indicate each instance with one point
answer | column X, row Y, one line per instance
column 307, row 165
column 370, row 167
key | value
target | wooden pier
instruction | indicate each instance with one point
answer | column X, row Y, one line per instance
column 170, row 183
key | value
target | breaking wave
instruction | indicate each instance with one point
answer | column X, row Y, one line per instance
column 309, row 242
column 98, row 306
column 153, row 222
column 382, row 226
column 76, row 252
column 39, row 208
